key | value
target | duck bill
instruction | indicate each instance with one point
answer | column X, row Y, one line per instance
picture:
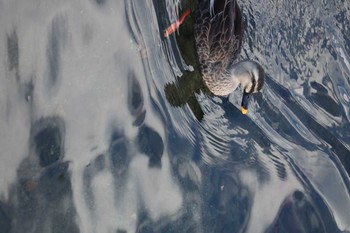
column 245, row 101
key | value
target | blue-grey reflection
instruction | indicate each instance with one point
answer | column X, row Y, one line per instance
column 41, row 198
column 299, row 213
column 13, row 53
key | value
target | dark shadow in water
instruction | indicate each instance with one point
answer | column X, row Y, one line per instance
column 322, row 99
column 100, row 2
column 183, row 91
column 135, row 99
column 13, row 53
column 183, row 223
column 43, row 191
column 148, row 140
column 49, row 142
column 57, row 39
column 151, row 144
column 121, row 231
column 300, row 214
column 119, row 153
column 335, row 145
column 227, row 202
column 5, row 220
column 91, row 170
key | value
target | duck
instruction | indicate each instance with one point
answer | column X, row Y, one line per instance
column 218, row 35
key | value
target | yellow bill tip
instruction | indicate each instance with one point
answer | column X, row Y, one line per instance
column 244, row 111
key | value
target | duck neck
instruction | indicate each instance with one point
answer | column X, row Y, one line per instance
column 240, row 73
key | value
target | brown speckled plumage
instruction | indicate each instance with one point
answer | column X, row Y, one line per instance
column 218, row 36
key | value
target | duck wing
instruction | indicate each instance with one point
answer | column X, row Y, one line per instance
column 218, row 32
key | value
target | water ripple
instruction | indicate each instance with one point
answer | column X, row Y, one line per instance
column 107, row 122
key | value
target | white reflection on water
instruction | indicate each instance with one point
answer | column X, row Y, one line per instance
column 77, row 56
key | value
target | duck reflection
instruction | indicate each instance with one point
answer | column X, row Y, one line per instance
column 183, row 91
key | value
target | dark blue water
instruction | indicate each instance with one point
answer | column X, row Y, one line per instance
column 102, row 131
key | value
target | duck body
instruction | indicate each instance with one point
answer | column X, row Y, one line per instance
column 218, row 33
column 211, row 41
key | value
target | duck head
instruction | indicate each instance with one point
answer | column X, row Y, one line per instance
column 251, row 77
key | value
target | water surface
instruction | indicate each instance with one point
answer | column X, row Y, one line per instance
column 91, row 143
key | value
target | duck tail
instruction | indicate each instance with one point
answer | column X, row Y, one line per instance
column 218, row 6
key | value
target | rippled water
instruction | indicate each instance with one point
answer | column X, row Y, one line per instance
column 92, row 141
